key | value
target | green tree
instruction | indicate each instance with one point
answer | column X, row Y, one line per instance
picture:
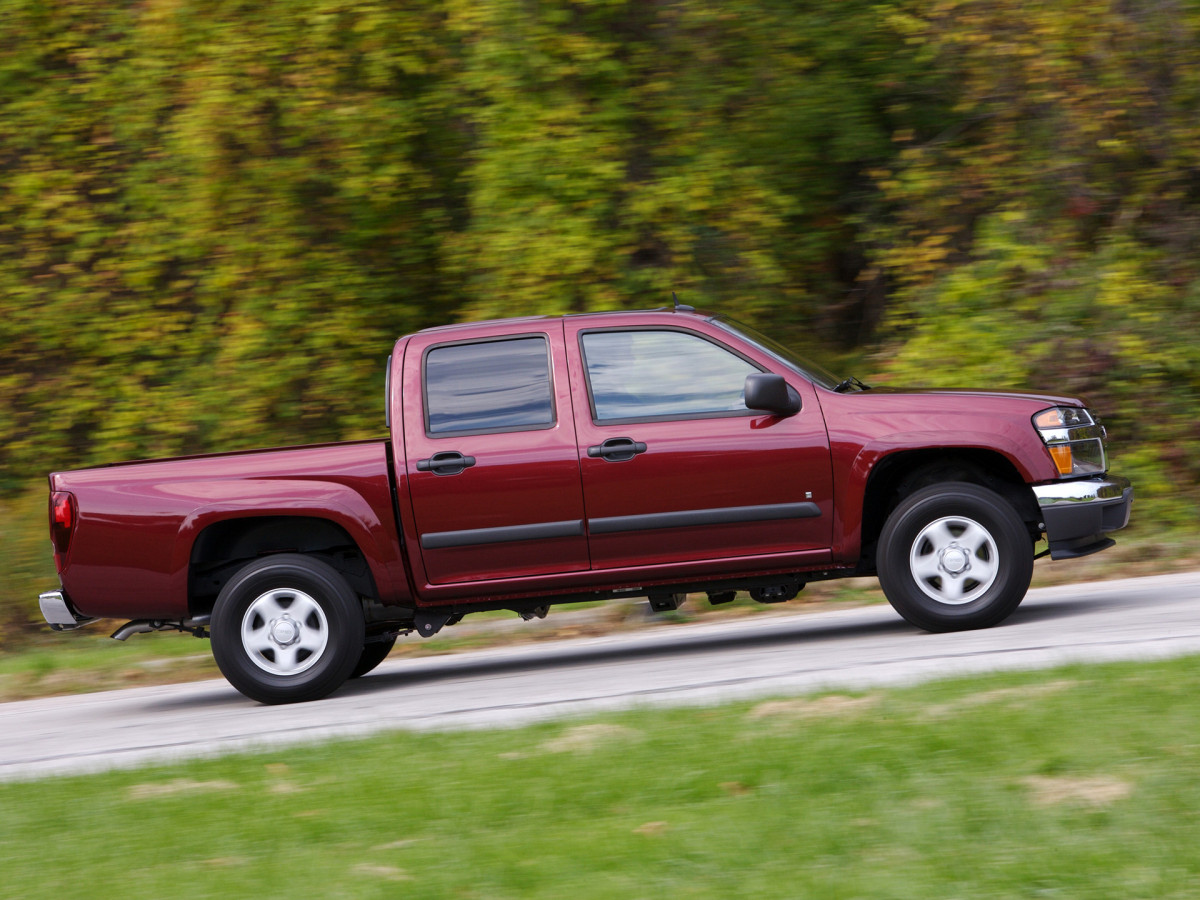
column 1043, row 233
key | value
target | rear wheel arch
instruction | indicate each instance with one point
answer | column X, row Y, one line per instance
column 224, row 547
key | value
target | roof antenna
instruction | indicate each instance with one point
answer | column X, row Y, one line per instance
column 680, row 307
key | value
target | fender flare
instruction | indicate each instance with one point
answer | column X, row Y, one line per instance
column 848, row 536
column 331, row 502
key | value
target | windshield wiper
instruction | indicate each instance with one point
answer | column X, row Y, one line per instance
column 848, row 383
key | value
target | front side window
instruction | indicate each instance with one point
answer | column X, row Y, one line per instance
column 647, row 374
column 487, row 387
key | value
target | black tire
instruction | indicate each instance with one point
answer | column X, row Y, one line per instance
column 286, row 629
column 955, row 556
column 372, row 655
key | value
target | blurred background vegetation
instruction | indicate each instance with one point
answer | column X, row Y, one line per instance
column 215, row 217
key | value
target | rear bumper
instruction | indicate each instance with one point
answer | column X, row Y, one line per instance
column 58, row 612
column 1078, row 515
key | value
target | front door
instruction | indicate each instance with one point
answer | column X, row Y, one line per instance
column 675, row 468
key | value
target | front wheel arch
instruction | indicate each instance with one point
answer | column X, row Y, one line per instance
column 898, row 475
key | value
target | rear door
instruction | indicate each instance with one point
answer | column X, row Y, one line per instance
column 675, row 468
column 492, row 461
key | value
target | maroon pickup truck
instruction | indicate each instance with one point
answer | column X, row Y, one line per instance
column 546, row 460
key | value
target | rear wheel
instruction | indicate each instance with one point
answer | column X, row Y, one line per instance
column 287, row 628
column 955, row 556
column 373, row 654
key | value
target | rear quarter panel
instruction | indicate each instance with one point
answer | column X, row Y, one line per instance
column 138, row 522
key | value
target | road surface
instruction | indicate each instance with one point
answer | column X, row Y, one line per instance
column 1144, row 618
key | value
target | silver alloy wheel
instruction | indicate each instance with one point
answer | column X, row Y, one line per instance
column 954, row 560
column 284, row 631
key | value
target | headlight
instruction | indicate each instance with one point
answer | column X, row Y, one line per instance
column 1074, row 438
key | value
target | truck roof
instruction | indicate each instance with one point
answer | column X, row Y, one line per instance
column 613, row 313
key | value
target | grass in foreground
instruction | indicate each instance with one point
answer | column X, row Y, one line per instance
column 1079, row 783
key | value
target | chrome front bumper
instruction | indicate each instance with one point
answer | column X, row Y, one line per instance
column 1077, row 515
column 58, row 613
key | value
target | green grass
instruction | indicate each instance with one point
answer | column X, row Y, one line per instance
column 1080, row 783
column 89, row 660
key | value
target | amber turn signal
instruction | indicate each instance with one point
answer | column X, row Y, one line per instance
column 1063, row 458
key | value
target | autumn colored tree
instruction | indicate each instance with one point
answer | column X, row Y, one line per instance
column 215, row 217
column 1044, row 231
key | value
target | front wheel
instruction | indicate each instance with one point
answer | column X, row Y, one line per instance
column 955, row 556
column 287, row 628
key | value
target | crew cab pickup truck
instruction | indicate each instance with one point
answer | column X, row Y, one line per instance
column 537, row 461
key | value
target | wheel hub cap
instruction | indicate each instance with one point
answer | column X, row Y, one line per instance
column 954, row 560
column 285, row 631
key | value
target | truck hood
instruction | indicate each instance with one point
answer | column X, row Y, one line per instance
column 1038, row 396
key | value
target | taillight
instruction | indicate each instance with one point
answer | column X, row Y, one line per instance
column 63, row 515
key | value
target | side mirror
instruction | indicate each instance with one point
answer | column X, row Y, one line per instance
column 770, row 393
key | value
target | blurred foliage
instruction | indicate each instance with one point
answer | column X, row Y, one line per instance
column 1045, row 232
column 215, row 217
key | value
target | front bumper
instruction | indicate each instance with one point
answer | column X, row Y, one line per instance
column 58, row 612
column 1077, row 515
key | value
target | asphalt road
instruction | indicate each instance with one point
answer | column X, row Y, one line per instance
column 1144, row 618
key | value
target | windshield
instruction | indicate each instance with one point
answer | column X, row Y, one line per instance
column 810, row 370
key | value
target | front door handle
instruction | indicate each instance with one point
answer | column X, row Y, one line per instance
column 447, row 462
column 617, row 449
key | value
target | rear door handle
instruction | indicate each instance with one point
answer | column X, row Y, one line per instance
column 617, row 449
column 447, row 462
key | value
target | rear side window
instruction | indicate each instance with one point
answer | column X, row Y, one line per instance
column 490, row 386
column 648, row 374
